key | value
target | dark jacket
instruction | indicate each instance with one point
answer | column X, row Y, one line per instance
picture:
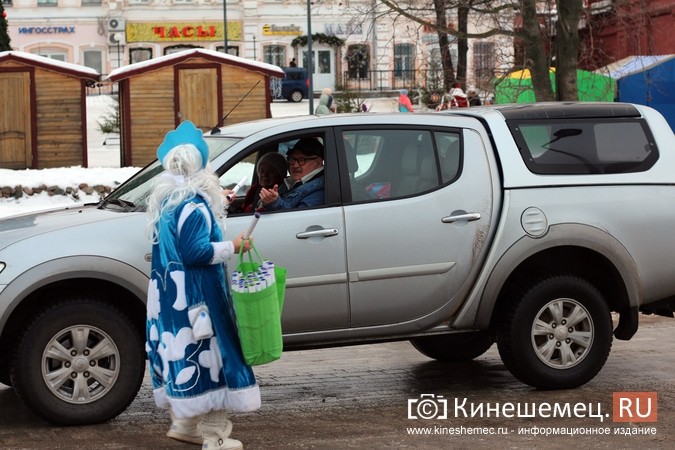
column 301, row 195
column 252, row 199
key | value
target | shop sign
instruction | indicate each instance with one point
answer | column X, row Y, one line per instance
column 269, row 30
column 47, row 30
column 181, row 31
column 343, row 29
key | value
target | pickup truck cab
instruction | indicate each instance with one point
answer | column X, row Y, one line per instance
column 546, row 228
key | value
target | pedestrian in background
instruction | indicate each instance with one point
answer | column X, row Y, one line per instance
column 404, row 103
column 326, row 105
column 473, row 98
column 195, row 361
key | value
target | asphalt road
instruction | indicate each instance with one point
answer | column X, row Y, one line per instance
column 361, row 398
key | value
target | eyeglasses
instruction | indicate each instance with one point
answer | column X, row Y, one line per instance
column 301, row 161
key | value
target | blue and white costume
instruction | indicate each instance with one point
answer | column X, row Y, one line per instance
column 188, row 274
column 193, row 349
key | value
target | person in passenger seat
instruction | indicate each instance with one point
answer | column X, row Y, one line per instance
column 305, row 186
column 271, row 170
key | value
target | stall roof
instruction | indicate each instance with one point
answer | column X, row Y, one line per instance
column 175, row 58
column 75, row 70
column 632, row 64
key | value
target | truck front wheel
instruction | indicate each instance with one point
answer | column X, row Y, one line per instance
column 557, row 335
column 80, row 361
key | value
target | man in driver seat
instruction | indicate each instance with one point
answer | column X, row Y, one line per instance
column 305, row 186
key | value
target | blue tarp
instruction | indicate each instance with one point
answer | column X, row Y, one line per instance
column 646, row 80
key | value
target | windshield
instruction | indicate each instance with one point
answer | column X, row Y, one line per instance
column 132, row 194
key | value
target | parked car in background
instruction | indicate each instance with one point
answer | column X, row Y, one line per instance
column 294, row 87
column 524, row 225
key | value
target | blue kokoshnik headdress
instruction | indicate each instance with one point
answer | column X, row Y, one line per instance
column 186, row 133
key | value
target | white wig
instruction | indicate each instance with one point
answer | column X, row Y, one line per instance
column 184, row 178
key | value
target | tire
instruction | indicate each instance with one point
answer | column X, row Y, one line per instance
column 296, row 96
column 541, row 347
column 71, row 382
column 453, row 347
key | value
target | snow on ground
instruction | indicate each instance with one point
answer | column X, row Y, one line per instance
column 104, row 160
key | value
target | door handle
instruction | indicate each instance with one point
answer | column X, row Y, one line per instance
column 467, row 217
column 324, row 232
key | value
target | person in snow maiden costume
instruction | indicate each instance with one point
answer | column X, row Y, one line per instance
column 195, row 361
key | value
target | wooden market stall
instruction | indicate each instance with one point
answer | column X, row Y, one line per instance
column 43, row 111
column 199, row 85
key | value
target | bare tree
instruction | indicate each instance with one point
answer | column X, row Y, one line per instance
column 536, row 56
column 567, row 48
column 444, row 44
column 463, row 9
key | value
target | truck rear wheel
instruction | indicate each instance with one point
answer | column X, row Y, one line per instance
column 557, row 335
column 79, row 362
column 453, row 347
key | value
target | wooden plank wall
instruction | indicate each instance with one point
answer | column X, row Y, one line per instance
column 59, row 119
column 151, row 112
column 151, row 104
column 236, row 83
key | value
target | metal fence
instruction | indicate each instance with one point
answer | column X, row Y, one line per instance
column 387, row 80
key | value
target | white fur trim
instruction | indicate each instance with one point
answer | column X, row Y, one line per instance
column 239, row 400
column 222, row 251
column 161, row 400
column 189, row 209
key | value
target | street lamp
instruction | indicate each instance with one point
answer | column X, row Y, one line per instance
column 117, row 37
column 310, row 71
column 225, row 25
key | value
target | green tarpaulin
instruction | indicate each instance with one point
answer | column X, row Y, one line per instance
column 517, row 87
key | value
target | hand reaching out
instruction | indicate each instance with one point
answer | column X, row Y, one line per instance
column 269, row 195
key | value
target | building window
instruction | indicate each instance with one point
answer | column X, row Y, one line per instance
column 231, row 49
column 94, row 60
column 178, row 48
column 404, row 59
column 483, row 64
column 51, row 53
column 140, row 54
column 7, row 2
column 91, row 2
column 275, row 54
column 47, row 3
column 358, row 61
column 322, row 61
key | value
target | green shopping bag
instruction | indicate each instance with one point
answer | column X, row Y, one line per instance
column 258, row 289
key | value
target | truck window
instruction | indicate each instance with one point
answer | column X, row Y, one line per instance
column 598, row 146
column 401, row 163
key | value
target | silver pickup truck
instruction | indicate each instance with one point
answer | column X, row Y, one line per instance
column 546, row 228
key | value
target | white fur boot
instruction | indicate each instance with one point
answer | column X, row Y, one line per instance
column 216, row 429
column 185, row 430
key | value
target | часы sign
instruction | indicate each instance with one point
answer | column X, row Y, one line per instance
column 181, row 31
